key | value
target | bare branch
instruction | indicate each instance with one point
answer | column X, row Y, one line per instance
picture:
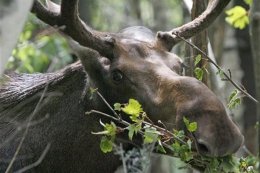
column 8, row 169
column 26, row 168
column 75, row 27
column 214, row 8
column 108, row 105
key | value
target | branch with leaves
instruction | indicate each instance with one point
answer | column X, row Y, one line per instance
column 171, row 142
column 227, row 76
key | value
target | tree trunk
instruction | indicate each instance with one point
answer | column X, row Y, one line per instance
column 246, row 63
column 200, row 40
column 85, row 10
column 255, row 40
column 160, row 19
column 13, row 14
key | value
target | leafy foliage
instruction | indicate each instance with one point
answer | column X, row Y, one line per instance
column 175, row 143
column 234, row 99
column 191, row 127
column 151, row 135
column 248, row 2
column 199, row 72
column 237, row 17
column 106, row 144
column 107, row 141
column 220, row 72
column 37, row 53
column 133, row 108
column 197, row 59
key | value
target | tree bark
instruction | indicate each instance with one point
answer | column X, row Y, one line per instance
column 246, row 64
column 13, row 14
column 255, row 40
column 85, row 10
column 200, row 40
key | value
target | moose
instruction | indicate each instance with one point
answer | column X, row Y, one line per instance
column 46, row 112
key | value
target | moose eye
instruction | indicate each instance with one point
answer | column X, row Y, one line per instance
column 117, row 76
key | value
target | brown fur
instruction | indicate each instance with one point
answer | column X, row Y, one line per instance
column 150, row 75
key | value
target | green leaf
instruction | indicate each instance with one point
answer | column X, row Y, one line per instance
column 233, row 95
column 197, row 59
column 111, row 128
column 187, row 156
column 189, row 142
column 176, row 147
column 237, row 17
column 191, row 127
column 186, row 122
column 213, row 166
column 150, row 135
column 248, row 2
column 133, row 129
column 180, row 134
column 106, row 144
column 117, row 107
column 234, row 100
column 92, row 92
column 220, row 72
column 199, row 73
column 133, row 108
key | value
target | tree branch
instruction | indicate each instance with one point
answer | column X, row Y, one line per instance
column 8, row 169
column 39, row 161
column 227, row 76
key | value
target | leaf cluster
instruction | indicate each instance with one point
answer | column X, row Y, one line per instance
column 36, row 52
column 234, row 99
column 238, row 16
column 199, row 71
column 174, row 142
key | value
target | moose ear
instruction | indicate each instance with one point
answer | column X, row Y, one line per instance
column 93, row 63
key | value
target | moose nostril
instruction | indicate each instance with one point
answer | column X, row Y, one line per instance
column 203, row 148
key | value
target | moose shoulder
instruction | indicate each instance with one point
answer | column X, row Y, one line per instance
column 133, row 63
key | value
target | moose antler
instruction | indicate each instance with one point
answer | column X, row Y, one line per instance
column 170, row 38
column 67, row 16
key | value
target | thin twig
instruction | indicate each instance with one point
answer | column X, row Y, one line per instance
column 20, row 128
column 108, row 105
column 109, row 116
column 26, row 131
column 148, row 119
column 121, row 151
column 219, row 68
column 26, row 168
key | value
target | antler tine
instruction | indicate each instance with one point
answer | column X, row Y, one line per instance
column 170, row 38
column 74, row 26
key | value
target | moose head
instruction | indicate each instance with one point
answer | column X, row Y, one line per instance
column 141, row 70
column 135, row 63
